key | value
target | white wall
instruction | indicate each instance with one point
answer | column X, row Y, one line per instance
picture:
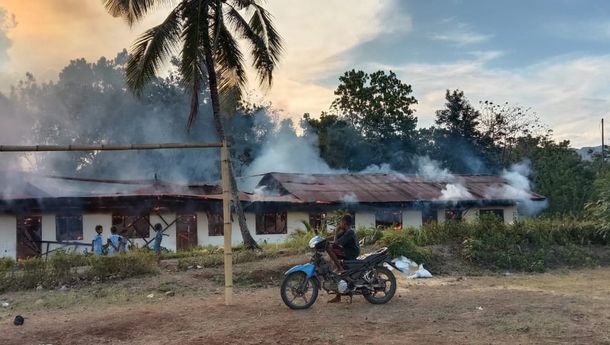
column 440, row 215
column 411, row 218
column 510, row 214
column 293, row 223
column 8, row 236
column 365, row 219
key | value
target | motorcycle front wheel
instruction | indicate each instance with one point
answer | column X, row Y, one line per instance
column 384, row 286
column 298, row 291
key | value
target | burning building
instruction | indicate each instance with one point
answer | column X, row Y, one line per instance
column 42, row 214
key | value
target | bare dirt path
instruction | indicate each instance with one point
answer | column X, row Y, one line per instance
column 557, row 307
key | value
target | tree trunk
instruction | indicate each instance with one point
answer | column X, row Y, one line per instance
column 249, row 242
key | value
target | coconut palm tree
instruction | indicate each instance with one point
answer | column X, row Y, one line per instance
column 206, row 33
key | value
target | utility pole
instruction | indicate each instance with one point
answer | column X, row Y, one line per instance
column 227, row 227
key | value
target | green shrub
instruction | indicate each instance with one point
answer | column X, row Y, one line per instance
column 369, row 235
column 121, row 266
column 6, row 264
column 401, row 243
column 66, row 268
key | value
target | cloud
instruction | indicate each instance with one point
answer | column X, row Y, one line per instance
column 7, row 22
column 316, row 33
column 461, row 34
column 569, row 94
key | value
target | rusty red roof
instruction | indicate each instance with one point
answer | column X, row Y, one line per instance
column 383, row 187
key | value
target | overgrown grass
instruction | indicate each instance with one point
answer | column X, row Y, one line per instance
column 527, row 245
column 67, row 269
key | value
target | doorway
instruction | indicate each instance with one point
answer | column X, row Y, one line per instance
column 186, row 231
column 29, row 235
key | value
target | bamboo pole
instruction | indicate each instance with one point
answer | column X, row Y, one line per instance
column 226, row 213
column 105, row 147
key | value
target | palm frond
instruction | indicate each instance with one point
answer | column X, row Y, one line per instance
column 266, row 43
column 151, row 49
column 130, row 10
column 228, row 60
column 192, row 54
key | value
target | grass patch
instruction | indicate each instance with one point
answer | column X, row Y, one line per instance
column 69, row 269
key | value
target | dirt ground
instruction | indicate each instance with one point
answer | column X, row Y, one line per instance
column 557, row 307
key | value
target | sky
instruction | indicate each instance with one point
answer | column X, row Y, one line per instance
column 550, row 55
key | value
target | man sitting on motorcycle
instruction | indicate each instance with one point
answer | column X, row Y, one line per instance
column 345, row 245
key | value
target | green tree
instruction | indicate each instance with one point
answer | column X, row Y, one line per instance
column 458, row 142
column 207, row 31
column 559, row 173
column 377, row 104
column 501, row 124
column 341, row 145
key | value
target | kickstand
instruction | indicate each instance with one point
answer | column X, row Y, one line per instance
column 350, row 298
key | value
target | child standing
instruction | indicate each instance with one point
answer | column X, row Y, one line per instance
column 158, row 238
column 114, row 241
column 98, row 245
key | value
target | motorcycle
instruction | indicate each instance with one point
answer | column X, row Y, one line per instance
column 369, row 277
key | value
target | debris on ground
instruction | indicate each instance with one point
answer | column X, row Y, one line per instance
column 411, row 269
column 5, row 304
column 170, row 293
column 151, row 295
column 19, row 320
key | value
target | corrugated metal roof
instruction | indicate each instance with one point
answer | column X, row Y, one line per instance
column 379, row 187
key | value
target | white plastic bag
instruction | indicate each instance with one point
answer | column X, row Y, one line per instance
column 405, row 265
column 421, row 273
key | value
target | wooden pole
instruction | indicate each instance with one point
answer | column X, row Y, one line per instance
column 105, row 147
column 226, row 213
column 603, row 143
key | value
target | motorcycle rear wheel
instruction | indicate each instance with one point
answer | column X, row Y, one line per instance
column 296, row 287
column 383, row 277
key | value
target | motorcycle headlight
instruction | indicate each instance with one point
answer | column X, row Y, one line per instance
column 314, row 241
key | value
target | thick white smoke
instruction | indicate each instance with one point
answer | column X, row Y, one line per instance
column 431, row 170
column 285, row 151
column 518, row 188
column 454, row 192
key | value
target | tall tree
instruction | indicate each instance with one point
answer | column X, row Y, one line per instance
column 207, row 31
column 377, row 104
column 502, row 124
column 458, row 140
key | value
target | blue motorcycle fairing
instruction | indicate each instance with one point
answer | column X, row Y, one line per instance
column 308, row 268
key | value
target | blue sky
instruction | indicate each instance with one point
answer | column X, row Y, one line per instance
column 522, row 32
column 550, row 55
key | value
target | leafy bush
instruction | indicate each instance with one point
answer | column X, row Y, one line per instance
column 6, row 264
column 121, row 266
column 369, row 235
column 401, row 243
column 526, row 245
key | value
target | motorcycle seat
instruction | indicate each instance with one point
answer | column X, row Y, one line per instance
column 366, row 258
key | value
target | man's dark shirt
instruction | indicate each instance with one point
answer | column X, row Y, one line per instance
column 349, row 242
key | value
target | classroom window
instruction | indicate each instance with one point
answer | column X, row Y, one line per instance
column 132, row 226
column 498, row 213
column 317, row 220
column 453, row 214
column 215, row 224
column 388, row 219
column 271, row 223
column 68, row 227
column 429, row 216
